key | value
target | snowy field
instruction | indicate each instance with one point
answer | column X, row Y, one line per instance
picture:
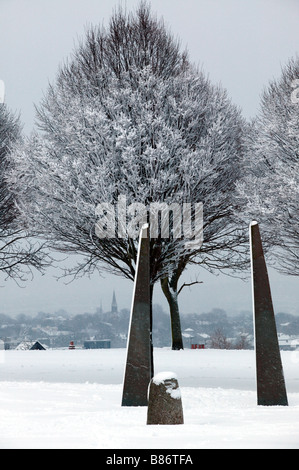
column 71, row 399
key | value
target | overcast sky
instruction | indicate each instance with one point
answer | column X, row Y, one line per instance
column 239, row 43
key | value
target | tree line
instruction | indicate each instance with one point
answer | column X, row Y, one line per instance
column 215, row 329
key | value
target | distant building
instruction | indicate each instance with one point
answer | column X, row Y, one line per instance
column 31, row 345
column 288, row 343
column 97, row 344
column 188, row 335
column 114, row 304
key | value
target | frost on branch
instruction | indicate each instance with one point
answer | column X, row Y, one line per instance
column 19, row 252
column 270, row 190
column 130, row 116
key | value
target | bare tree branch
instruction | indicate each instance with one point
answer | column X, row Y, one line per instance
column 188, row 284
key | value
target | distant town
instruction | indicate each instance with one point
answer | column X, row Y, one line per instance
column 215, row 329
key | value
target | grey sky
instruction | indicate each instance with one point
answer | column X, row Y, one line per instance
column 240, row 43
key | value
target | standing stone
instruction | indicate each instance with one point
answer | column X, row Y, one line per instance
column 271, row 388
column 139, row 364
column 165, row 403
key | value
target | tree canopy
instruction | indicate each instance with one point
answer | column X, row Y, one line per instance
column 271, row 187
column 130, row 117
column 18, row 251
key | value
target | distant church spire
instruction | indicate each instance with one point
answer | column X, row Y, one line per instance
column 114, row 304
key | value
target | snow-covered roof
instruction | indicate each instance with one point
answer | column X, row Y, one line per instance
column 26, row 345
column 186, row 335
column 204, row 335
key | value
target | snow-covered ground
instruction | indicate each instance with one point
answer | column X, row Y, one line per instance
column 71, row 399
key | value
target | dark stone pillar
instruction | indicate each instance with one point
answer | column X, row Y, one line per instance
column 139, row 365
column 165, row 403
column 271, row 388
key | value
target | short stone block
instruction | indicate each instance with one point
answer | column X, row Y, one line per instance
column 164, row 401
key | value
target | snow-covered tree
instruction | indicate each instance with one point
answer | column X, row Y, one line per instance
column 271, row 188
column 18, row 251
column 9, row 133
column 130, row 118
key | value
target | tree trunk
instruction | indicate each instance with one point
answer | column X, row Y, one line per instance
column 151, row 330
column 169, row 288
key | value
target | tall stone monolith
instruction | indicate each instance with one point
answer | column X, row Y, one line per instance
column 139, row 363
column 271, row 388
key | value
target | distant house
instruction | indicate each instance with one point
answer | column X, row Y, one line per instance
column 288, row 343
column 31, row 345
column 195, row 340
column 97, row 344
